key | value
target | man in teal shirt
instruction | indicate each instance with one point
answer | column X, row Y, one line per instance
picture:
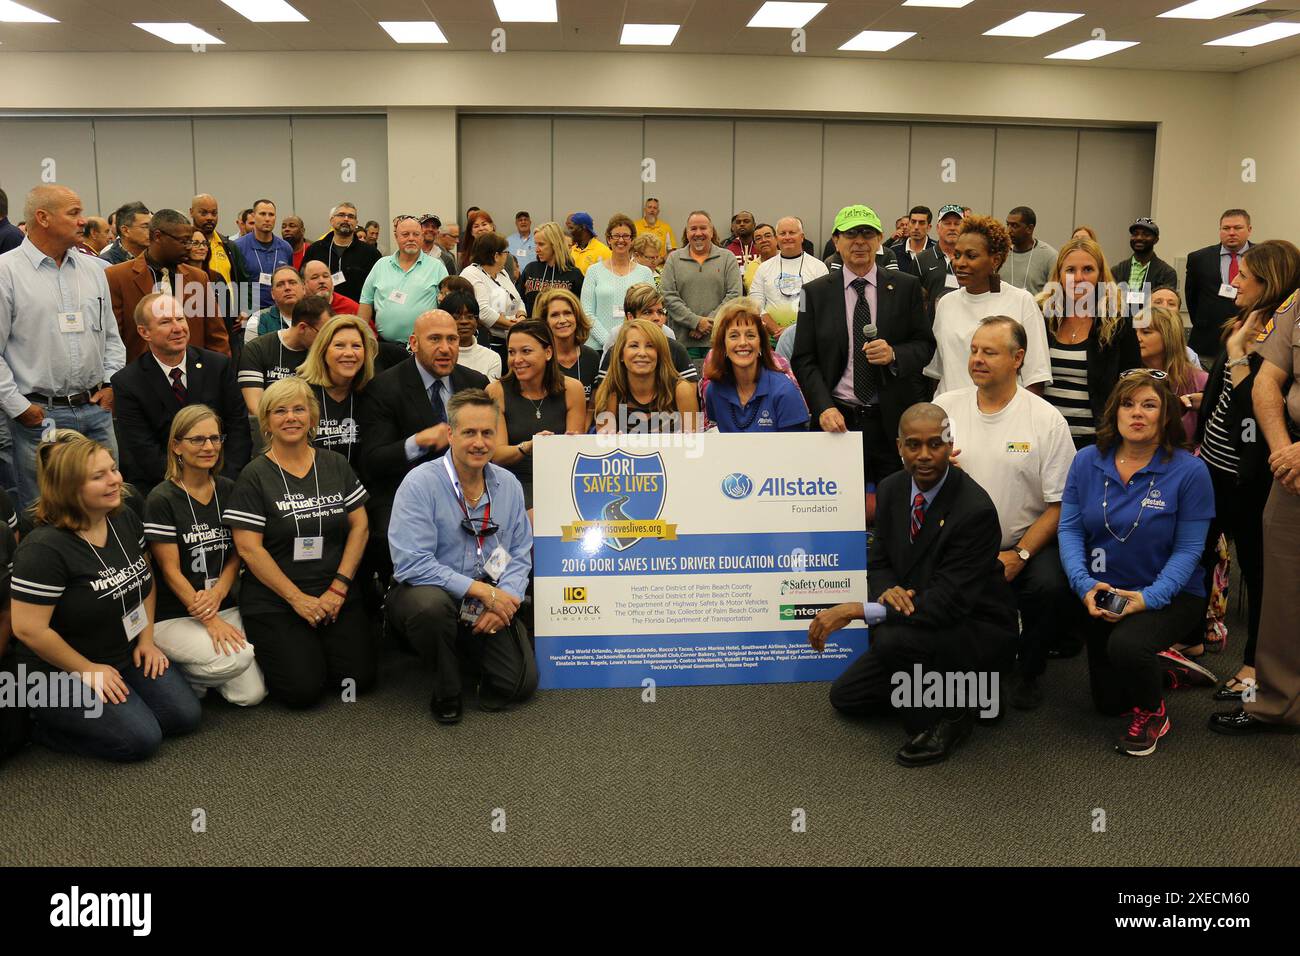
column 403, row 286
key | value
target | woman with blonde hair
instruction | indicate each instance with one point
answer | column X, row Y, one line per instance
column 553, row 268
column 197, row 623
column 1163, row 347
column 300, row 527
column 649, row 252
column 642, row 392
column 1089, row 341
column 1084, row 232
column 339, row 365
column 83, row 603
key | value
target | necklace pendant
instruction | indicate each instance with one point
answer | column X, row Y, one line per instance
column 538, row 413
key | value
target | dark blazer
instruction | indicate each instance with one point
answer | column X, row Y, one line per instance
column 1159, row 273
column 145, row 406
column 1208, row 309
column 397, row 406
column 821, row 344
column 953, row 565
column 356, row 263
column 131, row 281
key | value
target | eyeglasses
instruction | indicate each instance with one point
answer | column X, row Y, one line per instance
column 862, row 232
column 479, row 530
column 184, row 240
column 1155, row 373
column 198, row 441
column 620, row 237
column 198, row 242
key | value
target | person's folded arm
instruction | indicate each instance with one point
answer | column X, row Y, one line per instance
column 1184, row 561
column 1069, row 536
column 413, row 541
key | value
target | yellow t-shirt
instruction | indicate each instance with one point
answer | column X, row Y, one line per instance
column 596, row 251
column 660, row 229
column 219, row 260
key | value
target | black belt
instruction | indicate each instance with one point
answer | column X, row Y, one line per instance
column 858, row 412
column 80, row 398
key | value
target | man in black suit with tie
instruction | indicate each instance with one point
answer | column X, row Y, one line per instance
column 149, row 392
column 1211, row 299
column 938, row 601
column 861, row 341
column 404, row 421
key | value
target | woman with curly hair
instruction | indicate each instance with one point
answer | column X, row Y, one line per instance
column 980, row 249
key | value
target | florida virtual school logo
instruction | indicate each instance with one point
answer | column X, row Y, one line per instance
column 619, row 498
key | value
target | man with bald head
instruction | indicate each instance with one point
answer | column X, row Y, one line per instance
column 60, row 340
column 402, row 286
column 937, row 603
column 778, row 283
column 293, row 232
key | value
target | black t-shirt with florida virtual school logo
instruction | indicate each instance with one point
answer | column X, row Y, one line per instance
column 173, row 516
column 90, row 587
column 338, row 428
column 267, row 359
column 262, row 503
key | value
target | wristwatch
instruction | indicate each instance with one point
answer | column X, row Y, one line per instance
column 1023, row 554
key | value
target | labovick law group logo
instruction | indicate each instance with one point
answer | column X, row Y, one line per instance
column 619, row 498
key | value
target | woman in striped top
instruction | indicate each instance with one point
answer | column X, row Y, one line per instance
column 1089, row 341
column 1236, row 454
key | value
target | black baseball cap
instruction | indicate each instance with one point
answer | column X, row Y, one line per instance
column 1145, row 222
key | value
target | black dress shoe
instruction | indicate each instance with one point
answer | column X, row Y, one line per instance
column 446, row 710
column 1026, row 694
column 1238, row 723
column 936, row 744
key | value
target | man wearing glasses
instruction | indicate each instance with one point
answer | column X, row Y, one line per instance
column 161, row 268
column 169, row 375
column 461, row 542
column 349, row 260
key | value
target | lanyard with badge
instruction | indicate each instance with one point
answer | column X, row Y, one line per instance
column 264, row 277
column 72, row 320
column 949, row 277
column 209, row 582
column 335, row 274
column 790, row 284
column 135, row 620
column 495, row 565
column 305, row 548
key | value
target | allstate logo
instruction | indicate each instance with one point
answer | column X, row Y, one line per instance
column 737, row 486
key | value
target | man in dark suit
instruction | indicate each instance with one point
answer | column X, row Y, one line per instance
column 404, row 421
column 1210, row 271
column 1145, row 271
column 861, row 341
column 171, row 374
column 162, row 265
column 939, row 605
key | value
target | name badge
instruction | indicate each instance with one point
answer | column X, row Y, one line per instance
column 209, row 583
column 1227, row 291
column 470, row 609
column 1135, row 297
column 398, row 296
column 338, row 277
column 308, row 549
column 619, row 315
column 134, row 621
column 496, row 563
column 264, row 278
column 72, row 322
column 950, row 281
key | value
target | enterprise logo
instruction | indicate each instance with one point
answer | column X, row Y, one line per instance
column 802, row 612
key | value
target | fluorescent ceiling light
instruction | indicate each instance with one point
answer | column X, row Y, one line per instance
column 1091, row 50
column 526, row 11
column 649, row 34
column 877, row 41
column 789, row 16
column 936, row 3
column 186, row 33
column 1031, row 24
column 1257, row 35
column 413, row 31
column 1207, row 9
column 11, row 12
column 265, row 11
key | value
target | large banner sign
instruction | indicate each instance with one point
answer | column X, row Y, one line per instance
column 695, row 559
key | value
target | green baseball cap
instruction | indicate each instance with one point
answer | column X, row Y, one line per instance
column 850, row 217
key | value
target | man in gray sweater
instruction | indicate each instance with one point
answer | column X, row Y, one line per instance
column 696, row 281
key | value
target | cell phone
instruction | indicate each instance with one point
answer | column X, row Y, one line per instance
column 1110, row 601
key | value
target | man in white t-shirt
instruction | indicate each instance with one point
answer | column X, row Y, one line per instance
column 778, row 282
column 1018, row 448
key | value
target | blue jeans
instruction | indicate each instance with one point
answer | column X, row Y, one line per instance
column 156, row 707
column 91, row 420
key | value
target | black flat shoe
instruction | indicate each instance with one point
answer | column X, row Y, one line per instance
column 1238, row 723
column 446, row 710
column 1226, row 692
column 936, row 744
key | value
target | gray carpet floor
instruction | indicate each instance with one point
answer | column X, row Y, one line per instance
column 708, row 775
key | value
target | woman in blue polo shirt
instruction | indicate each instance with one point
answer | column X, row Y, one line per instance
column 743, row 390
column 1134, row 517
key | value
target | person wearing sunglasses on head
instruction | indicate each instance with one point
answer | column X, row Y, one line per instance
column 461, row 544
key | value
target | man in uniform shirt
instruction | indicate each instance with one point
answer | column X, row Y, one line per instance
column 586, row 247
column 59, row 344
column 263, row 251
column 650, row 222
column 348, row 259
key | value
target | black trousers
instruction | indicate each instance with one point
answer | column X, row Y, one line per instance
column 867, row 687
column 879, row 448
column 15, row 722
column 301, row 662
column 1239, row 514
column 1124, row 669
column 1042, row 596
column 428, row 617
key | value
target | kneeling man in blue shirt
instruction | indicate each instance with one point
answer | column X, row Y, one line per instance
column 461, row 547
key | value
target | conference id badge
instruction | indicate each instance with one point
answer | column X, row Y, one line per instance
column 308, row 549
column 470, row 610
column 398, row 296
column 1135, row 297
column 950, row 281
column 264, row 278
column 1227, row 291
column 134, row 621
column 72, row 322
column 619, row 316
column 338, row 277
column 495, row 565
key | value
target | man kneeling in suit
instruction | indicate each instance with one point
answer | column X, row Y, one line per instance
column 937, row 596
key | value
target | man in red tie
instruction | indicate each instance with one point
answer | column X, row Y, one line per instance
column 1211, row 299
column 942, row 616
